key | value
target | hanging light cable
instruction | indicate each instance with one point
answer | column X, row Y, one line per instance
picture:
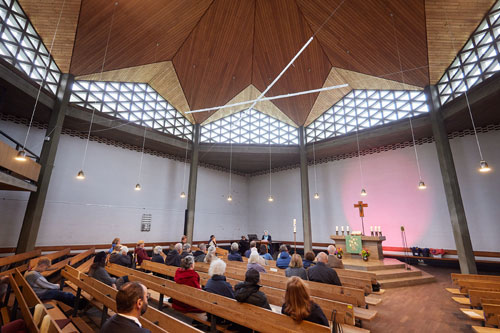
column 229, row 196
column 81, row 174
column 363, row 191
column 138, row 185
column 421, row 183
column 21, row 155
column 483, row 166
column 183, row 194
column 270, row 198
column 316, row 194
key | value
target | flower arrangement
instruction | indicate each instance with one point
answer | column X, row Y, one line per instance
column 339, row 252
column 365, row 253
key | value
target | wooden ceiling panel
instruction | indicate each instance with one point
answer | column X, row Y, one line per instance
column 280, row 32
column 250, row 93
column 138, row 26
column 449, row 25
column 160, row 76
column 361, row 36
column 215, row 62
column 44, row 16
column 355, row 80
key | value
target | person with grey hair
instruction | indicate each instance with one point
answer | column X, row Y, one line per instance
column 174, row 256
column 186, row 250
column 187, row 276
column 235, row 254
column 199, row 255
column 210, row 255
column 120, row 256
column 321, row 272
column 158, row 255
column 333, row 261
column 217, row 283
column 253, row 263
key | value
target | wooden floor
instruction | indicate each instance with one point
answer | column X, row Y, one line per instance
column 421, row 308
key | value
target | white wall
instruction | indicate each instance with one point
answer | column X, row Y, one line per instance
column 105, row 204
column 391, row 180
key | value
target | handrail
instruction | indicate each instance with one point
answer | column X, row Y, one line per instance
column 20, row 145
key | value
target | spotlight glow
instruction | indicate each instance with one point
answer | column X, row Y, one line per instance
column 270, row 198
column 316, row 195
column 421, row 185
column 80, row 175
column 183, row 195
column 21, row 156
column 363, row 192
column 137, row 187
column 484, row 167
column 229, row 198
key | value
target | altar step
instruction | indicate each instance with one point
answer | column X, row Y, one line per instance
column 397, row 273
column 405, row 281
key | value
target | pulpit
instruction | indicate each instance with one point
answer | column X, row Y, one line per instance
column 372, row 243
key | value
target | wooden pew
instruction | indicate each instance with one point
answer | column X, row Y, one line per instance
column 466, row 285
column 475, row 296
column 81, row 256
column 8, row 261
column 153, row 319
column 455, row 277
column 26, row 298
column 491, row 313
column 247, row 315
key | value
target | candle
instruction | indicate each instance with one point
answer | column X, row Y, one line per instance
column 342, row 228
column 294, row 225
column 378, row 228
column 337, row 228
column 347, row 228
column 371, row 228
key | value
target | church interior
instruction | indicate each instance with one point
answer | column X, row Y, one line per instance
column 361, row 137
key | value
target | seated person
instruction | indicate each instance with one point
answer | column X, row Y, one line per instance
column 253, row 244
column 244, row 245
column 322, row 273
column 212, row 241
column 115, row 242
column 98, row 272
column 131, row 303
column 184, row 240
column 199, row 255
column 253, row 263
column 333, row 261
column 268, row 237
column 141, row 253
column 234, row 255
column 186, row 275
column 298, row 303
column 210, row 255
column 264, row 254
column 309, row 259
column 158, row 255
column 174, row 256
column 120, row 256
column 186, row 250
column 46, row 290
column 248, row 291
column 283, row 258
column 217, row 283
column 295, row 268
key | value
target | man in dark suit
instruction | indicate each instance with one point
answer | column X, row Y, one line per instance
column 131, row 303
column 321, row 272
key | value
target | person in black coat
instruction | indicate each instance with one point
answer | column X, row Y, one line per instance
column 174, row 256
column 322, row 273
column 131, row 303
column 120, row 256
column 244, row 245
column 235, row 254
column 199, row 255
column 248, row 291
column 186, row 251
column 298, row 303
column 158, row 255
column 217, row 283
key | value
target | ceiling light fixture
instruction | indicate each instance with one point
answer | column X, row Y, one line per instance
column 137, row 187
column 21, row 156
column 484, row 167
column 80, row 175
column 229, row 198
column 421, row 185
column 183, row 195
column 100, row 79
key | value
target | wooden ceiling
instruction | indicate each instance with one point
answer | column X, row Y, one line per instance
column 218, row 48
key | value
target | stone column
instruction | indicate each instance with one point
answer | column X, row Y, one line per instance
column 193, row 179
column 304, row 186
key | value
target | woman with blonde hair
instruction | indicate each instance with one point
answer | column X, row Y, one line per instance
column 298, row 303
column 295, row 268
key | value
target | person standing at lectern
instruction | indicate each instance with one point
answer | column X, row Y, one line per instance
column 333, row 261
column 268, row 238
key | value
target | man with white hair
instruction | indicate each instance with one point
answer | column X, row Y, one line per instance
column 120, row 256
column 333, row 261
column 234, row 255
column 186, row 250
column 199, row 255
column 158, row 255
column 174, row 256
column 217, row 283
column 322, row 273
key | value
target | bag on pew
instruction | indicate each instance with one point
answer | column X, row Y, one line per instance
column 375, row 287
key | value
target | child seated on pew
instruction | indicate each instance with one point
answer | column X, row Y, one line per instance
column 46, row 290
column 298, row 303
column 98, row 272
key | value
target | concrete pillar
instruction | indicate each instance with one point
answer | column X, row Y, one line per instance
column 193, row 179
column 451, row 186
column 304, row 186
column 36, row 202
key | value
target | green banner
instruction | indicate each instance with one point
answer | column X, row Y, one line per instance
column 353, row 244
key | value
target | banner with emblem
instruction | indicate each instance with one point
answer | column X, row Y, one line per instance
column 353, row 244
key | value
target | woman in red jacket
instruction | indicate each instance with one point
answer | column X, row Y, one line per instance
column 141, row 253
column 186, row 275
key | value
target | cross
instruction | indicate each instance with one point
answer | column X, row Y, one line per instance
column 360, row 205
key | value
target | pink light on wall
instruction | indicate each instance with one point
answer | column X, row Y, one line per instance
column 393, row 198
